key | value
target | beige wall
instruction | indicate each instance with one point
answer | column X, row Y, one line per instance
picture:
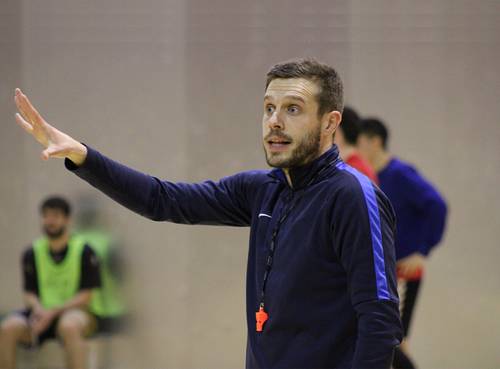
column 174, row 88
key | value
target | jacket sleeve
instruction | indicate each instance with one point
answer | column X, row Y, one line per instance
column 221, row 203
column 429, row 204
column 363, row 230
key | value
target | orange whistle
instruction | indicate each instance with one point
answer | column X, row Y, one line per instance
column 260, row 317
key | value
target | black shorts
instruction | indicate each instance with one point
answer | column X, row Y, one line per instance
column 49, row 333
column 103, row 326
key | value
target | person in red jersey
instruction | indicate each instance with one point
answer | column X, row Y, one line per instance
column 346, row 137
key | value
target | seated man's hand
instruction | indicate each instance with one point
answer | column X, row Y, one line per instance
column 56, row 143
column 41, row 319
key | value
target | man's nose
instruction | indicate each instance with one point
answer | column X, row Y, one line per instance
column 275, row 121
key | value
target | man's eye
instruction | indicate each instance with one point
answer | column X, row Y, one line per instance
column 269, row 109
column 294, row 109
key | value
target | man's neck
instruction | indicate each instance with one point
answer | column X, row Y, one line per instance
column 380, row 161
column 287, row 170
column 58, row 244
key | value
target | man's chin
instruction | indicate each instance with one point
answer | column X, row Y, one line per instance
column 277, row 160
column 54, row 234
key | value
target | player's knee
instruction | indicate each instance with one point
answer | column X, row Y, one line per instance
column 12, row 326
column 68, row 328
column 70, row 324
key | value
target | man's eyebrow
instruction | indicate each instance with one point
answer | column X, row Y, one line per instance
column 294, row 97
column 291, row 97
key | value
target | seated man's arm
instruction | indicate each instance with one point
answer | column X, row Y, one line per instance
column 41, row 318
column 80, row 301
column 31, row 301
column 30, row 280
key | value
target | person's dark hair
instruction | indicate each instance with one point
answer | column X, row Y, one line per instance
column 56, row 202
column 373, row 127
column 350, row 125
column 331, row 95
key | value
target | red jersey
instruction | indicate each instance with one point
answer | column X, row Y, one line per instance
column 357, row 162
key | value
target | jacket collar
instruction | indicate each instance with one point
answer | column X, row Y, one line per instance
column 313, row 171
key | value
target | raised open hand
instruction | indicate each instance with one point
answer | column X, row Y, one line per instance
column 56, row 143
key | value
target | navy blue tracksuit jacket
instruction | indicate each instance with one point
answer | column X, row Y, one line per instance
column 331, row 291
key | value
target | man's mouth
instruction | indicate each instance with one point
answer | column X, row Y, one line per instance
column 278, row 142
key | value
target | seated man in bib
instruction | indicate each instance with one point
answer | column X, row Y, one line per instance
column 60, row 271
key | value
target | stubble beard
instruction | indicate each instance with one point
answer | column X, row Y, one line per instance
column 307, row 150
column 54, row 234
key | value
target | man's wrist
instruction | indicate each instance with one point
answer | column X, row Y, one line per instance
column 78, row 155
column 33, row 304
column 56, row 311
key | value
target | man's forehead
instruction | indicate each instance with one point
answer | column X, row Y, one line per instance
column 291, row 87
column 53, row 211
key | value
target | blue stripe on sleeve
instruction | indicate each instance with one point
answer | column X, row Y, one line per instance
column 376, row 235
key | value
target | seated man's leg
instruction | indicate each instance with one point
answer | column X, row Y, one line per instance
column 72, row 327
column 13, row 330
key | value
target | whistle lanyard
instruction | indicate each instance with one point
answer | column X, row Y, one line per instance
column 261, row 316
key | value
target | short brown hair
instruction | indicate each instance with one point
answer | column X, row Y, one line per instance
column 331, row 95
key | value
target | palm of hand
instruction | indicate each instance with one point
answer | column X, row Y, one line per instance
column 56, row 143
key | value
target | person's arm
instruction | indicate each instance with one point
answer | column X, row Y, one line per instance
column 30, row 281
column 223, row 202
column 363, row 231
column 90, row 275
column 29, row 275
column 41, row 318
column 430, row 205
column 31, row 301
column 80, row 301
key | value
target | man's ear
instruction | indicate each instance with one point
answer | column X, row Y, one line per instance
column 332, row 121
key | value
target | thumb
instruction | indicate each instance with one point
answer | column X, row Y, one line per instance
column 50, row 152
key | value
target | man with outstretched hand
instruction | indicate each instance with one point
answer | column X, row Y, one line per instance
column 321, row 284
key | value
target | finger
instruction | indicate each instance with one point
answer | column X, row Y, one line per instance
column 19, row 106
column 23, row 123
column 26, row 106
